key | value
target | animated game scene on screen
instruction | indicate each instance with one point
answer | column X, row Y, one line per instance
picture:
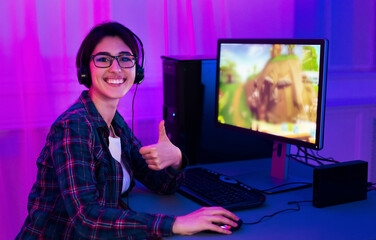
column 270, row 88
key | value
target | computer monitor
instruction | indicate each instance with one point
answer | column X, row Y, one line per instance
column 273, row 88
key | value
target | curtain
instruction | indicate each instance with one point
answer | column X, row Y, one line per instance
column 39, row 40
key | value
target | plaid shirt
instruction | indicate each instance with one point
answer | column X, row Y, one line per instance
column 77, row 194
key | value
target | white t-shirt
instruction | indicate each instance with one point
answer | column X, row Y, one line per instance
column 115, row 149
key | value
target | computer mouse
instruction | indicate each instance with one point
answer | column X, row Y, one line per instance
column 225, row 226
column 231, row 228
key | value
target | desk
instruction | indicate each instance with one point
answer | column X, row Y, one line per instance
column 355, row 221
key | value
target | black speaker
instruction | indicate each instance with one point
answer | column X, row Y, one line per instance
column 339, row 183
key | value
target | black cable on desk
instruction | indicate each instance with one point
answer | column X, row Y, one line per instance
column 281, row 211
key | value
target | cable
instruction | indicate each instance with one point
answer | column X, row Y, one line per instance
column 134, row 96
column 330, row 159
column 296, row 158
column 318, row 158
column 281, row 211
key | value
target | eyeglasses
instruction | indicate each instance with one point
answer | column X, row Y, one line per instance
column 105, row 60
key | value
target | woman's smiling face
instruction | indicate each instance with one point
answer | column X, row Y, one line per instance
column 112, row 82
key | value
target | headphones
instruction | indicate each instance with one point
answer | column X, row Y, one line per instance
column 83, row 72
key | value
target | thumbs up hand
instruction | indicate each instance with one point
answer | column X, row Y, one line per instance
column 162, row 154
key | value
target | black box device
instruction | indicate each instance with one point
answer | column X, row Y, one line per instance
column 339, row 183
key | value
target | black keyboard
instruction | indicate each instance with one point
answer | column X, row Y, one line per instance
column 210, row 188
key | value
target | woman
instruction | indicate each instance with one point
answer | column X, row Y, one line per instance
column 91, row 158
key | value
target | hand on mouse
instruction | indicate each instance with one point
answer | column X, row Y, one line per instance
column 206, row 218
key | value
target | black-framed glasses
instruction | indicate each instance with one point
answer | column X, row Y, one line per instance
column 102, row 60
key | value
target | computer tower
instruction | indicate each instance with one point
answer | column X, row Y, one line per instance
column 182, row 102
column 188, row 111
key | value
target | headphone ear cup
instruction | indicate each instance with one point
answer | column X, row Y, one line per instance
column 139, row 74
column 83, row 75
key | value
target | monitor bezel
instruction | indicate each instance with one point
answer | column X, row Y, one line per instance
column 320, row 121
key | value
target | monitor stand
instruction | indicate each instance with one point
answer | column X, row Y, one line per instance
column 279, row 163
column 280, row 170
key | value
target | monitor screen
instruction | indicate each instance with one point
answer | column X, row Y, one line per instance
column 274, row 88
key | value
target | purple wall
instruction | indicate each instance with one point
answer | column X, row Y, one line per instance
column 39, row 41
